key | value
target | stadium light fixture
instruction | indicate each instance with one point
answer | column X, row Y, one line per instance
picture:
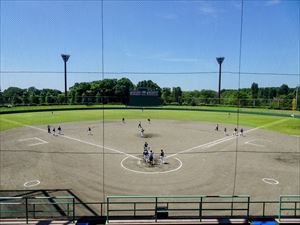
column 65, row 58
column 220, row 61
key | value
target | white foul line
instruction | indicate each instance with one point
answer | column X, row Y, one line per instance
column 100, row 146
column 215, row 142
column 75, row 139
column 206, row 145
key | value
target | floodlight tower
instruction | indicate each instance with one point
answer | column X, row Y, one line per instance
column 220, row 61
column 297, row 97
column 65, row 58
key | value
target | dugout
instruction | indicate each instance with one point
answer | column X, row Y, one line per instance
column 144, row 97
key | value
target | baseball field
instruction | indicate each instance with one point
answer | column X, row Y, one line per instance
column 264, row 162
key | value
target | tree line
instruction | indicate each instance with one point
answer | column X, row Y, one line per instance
column 116, row 91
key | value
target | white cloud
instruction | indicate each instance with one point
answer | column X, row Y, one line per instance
column 207, row 9
column 272, row 2
column 236, row 4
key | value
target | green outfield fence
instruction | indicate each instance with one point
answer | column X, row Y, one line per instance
column 99, row 107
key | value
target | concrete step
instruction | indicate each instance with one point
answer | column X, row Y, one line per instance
column 287, row 221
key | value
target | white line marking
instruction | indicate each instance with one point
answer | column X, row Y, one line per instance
column 99, row 146
column 75, row 139
column 250, row 143
column 32, row 183
column 257, row 145
column 209, row 144
column 294, row 135
column 216, row 142
column 158, row 172
column 40, row 141
column 26, row 139
column 270, row 181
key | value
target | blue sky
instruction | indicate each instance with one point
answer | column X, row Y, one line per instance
column 150, row 36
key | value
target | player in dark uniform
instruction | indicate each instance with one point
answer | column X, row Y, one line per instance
column 146, row 145
column 149, row 121
column 142, row 132
column 217, row 127
column 151, row 157
column 235, row 131
column 49, row 129
column 140, row 124
column 162, row 156
column 123, row 120
column 59, row 130
column 146, row 155
column 225, row 131
column 242, row 132
column 89, row 131
column 53, row 131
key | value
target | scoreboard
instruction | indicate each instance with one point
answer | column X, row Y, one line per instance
column 144, row 97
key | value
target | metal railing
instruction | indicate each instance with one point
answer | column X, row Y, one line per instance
column 158, row 204
column 64, row 205
column 285, row 199
column 200, row 206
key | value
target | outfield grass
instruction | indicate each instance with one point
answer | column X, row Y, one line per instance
column 289, row 126
column 213, row 108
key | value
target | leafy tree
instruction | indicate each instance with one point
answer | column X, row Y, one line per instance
column 244, row 96
column 42, row 99
column 78, row 98
column 98, row 98
column 13, row 95
column 283, row 90
column 15, row 99
column 166, row 95
column 50, row 99
column 72, row 99
column 254, row 90
column 61, row 98
column 107, row 87
column 25, row 98
column 80, row 88
column 122, row 89
column 90, row 97
column 1, row 98
column 149, row 84
column 33, row 99
column 84, row 98
column 33, row 90
column 229, row 97
column 176, row 94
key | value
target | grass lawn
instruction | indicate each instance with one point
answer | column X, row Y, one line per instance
column 213, row 108
column 289, row 126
